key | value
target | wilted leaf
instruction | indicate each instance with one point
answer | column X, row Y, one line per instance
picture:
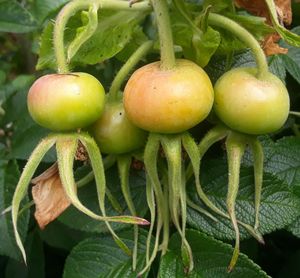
column 49, row 196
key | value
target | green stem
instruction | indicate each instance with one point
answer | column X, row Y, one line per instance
column 235, row 146
column 59, row 28
column 161, row 11
column 108, row 162
column 166, row 218
column 151, row 204
column 21, row 189
column 244, row 36
column 77, row 5
column 195, row 153
column 124, row 162
column 294, row 113
column 177, row 198
column 258, row 155
column 127, row 68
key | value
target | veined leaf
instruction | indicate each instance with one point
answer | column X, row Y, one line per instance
column 211, row 259
column 279, row 206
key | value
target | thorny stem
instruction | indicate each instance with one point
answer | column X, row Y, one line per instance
column 77, row 5
column 244, row 36
column 160, row 8
column 127, row 68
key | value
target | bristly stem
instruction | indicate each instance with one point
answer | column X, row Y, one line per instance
column 244, row 36
column 161, row 11
column 127, row 68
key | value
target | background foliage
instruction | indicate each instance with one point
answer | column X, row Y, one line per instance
column 81, row 248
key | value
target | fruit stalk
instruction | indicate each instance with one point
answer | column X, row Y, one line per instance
column 244, row 36
column 160, row 8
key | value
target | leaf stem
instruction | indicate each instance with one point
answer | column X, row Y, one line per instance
column 161, row 11
column 244, row 36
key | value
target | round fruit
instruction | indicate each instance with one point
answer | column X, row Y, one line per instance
column 65, row 102
column 114, row 133
column 251, row 105
column 168, row 101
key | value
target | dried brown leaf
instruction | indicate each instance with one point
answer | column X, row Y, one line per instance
column 259, row 8
column 49, row 196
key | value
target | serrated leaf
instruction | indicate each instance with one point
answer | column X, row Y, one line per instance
column 15, row 18
column 9, row 174
column 211, row 259
column 100, row 257
column 292, row 58
column 279, row 206
column 282, row 158
column 219, row 64
column 88, row 196
column 277, row 67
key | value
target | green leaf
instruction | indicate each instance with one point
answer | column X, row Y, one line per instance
column 88, row 196
column 15, row 18
column 292, row 59
column 255, row 25
column 211, row 259
column 219, row 5
column 60, row 236
column 282, row 159
column 9, row 175
column 110, row 37
column 279, row 206
column 277, row 66
column 36, row 262
column 197, row 45
column 219, row 64
column 41, row 9
column 100, row 257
